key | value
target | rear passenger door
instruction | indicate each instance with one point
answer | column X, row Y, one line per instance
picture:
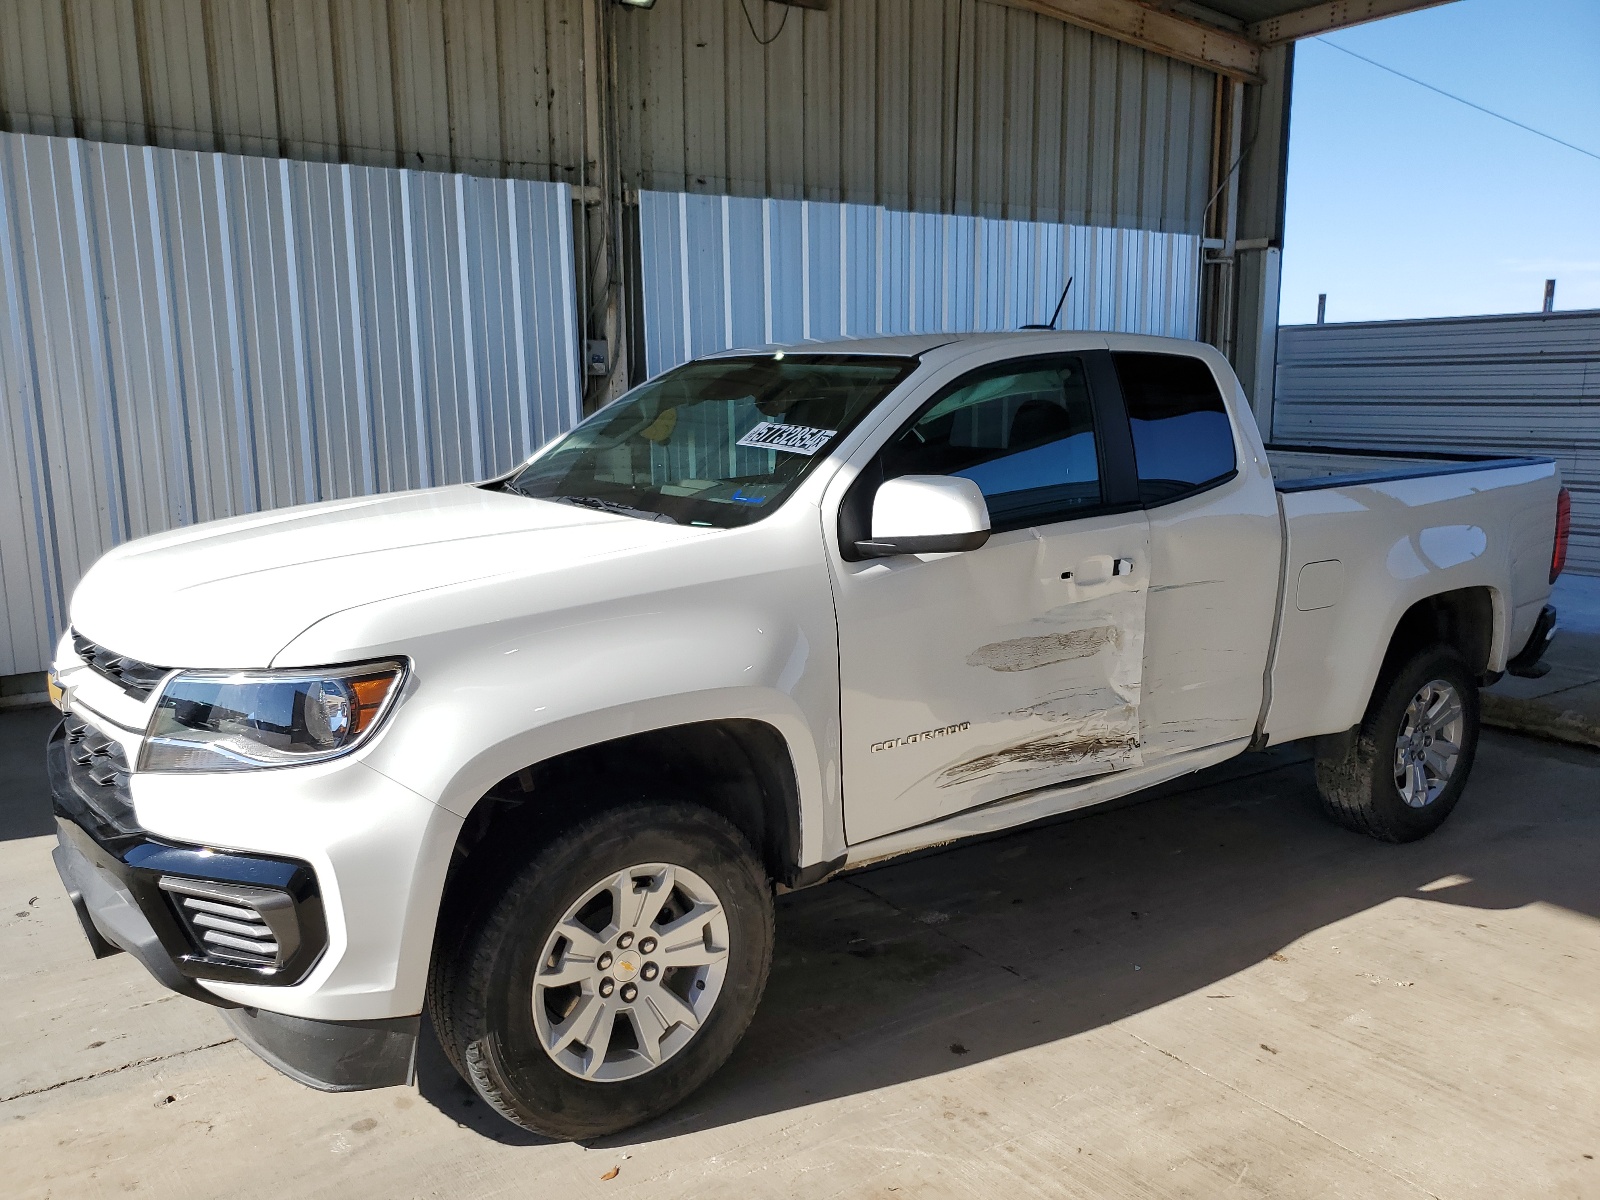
column 1214, row 552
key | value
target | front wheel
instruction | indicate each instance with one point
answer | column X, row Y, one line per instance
column 615, row 974
column 1411, row 757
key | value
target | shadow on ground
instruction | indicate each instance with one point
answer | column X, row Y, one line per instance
column 916, row 968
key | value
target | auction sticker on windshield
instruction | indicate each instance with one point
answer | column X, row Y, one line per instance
column 795, row 439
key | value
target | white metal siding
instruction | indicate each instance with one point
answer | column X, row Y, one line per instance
column 723, row 271
column 186, row 336
column 1523, row 384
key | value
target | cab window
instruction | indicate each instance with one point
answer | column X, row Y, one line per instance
column 1182, row 438
column 1023, row 432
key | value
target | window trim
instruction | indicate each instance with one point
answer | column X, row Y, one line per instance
column 1119, row 484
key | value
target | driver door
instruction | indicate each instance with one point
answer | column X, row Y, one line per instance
column 967, row 678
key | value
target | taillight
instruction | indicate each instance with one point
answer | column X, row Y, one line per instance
column 1558, row 556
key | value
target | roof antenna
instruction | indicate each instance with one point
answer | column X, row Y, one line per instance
column 1060, row 304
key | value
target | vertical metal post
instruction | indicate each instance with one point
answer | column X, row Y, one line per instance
column 1221, row 242
column 1322, row 307
column 605, row 316
column 1263, row 380
column 1229, row 307
column 1246, row 235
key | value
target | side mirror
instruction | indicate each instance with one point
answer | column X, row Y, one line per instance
column 926, row 514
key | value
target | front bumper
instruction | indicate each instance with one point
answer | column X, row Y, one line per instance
column 191, row 913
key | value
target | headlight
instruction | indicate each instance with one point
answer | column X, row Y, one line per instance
column 242, row 720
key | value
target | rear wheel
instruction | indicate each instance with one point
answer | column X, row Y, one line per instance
column 1411, row 757
column 615, row 974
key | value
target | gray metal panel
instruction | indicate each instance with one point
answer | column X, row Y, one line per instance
column 186, row 336
column 932, row 105
column 724, row 271
column 486, row 87
column 1524, row 384
column 879, row 102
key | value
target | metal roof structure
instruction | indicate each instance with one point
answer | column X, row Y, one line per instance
column 1227, row 36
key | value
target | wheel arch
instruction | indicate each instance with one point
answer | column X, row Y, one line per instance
column 1468, row 620
column 740, row 768
column 1472, row 620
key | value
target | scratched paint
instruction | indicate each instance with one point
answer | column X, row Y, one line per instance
column 1101, row 741
column 1043, row 692
column 1030, row 653
column 1178, row 587
column 1081, row 716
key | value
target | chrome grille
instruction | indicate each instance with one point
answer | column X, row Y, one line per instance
column 236, row 923
column 130, row 674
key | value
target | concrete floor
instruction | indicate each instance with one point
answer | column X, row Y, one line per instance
column 1564, row 704
column 1214, row 993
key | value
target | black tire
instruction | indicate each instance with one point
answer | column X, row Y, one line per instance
column 1358, row 786
column 481, row 999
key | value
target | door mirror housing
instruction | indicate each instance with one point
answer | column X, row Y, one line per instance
column 926, row 514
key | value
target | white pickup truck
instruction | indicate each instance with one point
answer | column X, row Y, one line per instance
column 534, row 755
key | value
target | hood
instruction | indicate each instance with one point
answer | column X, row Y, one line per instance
column 233, row 593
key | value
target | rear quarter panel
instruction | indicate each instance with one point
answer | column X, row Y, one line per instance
column 1399, row 542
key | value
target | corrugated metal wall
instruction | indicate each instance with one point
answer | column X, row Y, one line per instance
column 720, row 272
column 186, row 336
column 485, row 87
column 1525, row 384
column 928, row 105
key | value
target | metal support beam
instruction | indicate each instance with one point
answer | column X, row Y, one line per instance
column 602, row 280
column 1218, row 289
column 1257, row 261
column 1324, row 18
column 1219, row 50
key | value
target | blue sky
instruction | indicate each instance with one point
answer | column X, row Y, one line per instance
column 1402, row 203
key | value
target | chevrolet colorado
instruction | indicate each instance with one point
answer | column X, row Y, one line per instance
column 534, row 755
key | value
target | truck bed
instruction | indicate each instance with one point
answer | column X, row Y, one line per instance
column 1304, row 468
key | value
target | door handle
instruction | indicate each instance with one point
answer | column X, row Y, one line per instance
column 1098, row 569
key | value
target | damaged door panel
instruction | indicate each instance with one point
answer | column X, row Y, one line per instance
column 971, row 677
column 1214, row 553
column 1026, row 679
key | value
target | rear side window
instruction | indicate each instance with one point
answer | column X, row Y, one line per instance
column 1181, row 436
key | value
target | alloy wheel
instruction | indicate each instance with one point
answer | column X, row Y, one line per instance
column 631, row 972
column 1428, row 746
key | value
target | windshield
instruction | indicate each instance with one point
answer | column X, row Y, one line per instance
column 721, row 442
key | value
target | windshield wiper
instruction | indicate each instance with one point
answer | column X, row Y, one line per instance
column 610, row 506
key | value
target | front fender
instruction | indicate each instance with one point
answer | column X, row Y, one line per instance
column 469, row 724
column 548, row 657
